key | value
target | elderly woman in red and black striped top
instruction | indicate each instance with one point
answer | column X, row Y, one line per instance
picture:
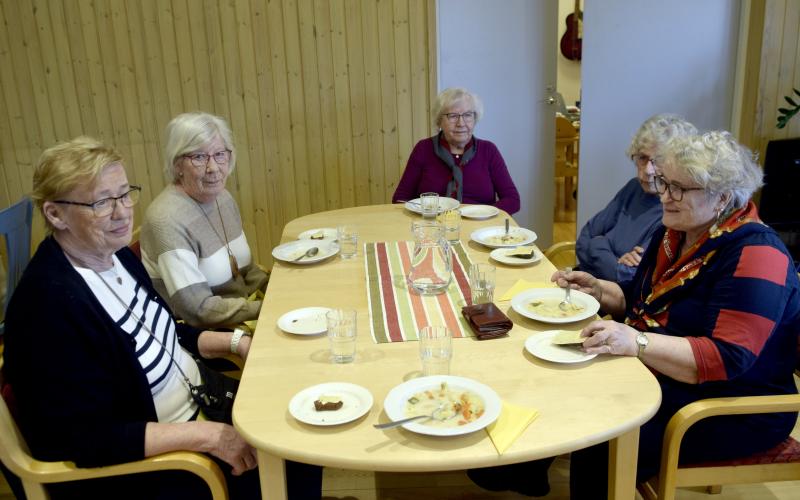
column 713, row 311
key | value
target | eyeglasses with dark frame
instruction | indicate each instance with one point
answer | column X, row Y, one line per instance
column 106, row 206
column 675, row 191
column 468, row 117
column 200, row 160
column 642, row 160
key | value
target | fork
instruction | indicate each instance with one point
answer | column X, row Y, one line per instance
column 566, row 304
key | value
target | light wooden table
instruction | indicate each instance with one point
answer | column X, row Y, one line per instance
column 605, row 399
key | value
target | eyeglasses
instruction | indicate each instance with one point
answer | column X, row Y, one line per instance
column 642, row 160
column 106, row 206
column 468, row 117
column 675, row 191
column 200, row 160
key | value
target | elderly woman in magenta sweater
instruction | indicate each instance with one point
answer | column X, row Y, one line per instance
column 454, row 162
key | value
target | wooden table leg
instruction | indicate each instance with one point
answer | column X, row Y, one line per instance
column 622, row 455
column 272, row 473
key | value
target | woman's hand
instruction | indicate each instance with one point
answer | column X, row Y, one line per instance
column 244, row 346
column 610, row 337
column 579, row 280
column 632, row 258
column 226, row 444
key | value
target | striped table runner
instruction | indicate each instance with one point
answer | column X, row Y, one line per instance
column 397, row 312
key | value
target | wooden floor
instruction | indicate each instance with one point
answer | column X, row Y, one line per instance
column 361, row 485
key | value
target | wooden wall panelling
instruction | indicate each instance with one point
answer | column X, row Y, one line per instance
column 374, row 169
column 325, row 98
column 354, row 173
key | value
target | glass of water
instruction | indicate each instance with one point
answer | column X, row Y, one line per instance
column 435, row 350
column 481, row 283
column 348, row 241
column 429, row 204
column 342, row 334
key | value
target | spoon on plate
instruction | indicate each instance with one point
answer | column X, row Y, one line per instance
column 397, row 423
column 566, row 304
column 309, row 253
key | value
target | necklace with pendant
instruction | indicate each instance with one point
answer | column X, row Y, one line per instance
column 223, row 237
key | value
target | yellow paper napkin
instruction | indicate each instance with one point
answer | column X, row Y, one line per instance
column 513, row 420
column 522, row 285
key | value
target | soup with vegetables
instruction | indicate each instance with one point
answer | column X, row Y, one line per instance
column 549, row 308
column 511, row 238
column 458, row 406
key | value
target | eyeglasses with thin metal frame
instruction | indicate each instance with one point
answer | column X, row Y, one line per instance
column 642, row 160
column 468, row 117
column 200, row 160
column 675, row 191
column 106, row 206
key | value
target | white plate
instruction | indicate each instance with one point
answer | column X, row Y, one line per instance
column 328, row 233
column 541, row 345
column 499, row 254
column 305, row 321
column 479, row 211
column 521, row 300
column 481, row 236
column 290, row 251
column 444, row 205
column 395, row 403
column 357, row 401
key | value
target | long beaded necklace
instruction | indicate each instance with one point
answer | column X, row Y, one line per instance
column 223, row 237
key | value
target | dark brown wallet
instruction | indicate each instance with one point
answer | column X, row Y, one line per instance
column 487, row 321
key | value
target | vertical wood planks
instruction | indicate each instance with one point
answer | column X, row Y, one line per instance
column 325, row 98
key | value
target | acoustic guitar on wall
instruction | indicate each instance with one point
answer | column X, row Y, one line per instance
column 572, row 40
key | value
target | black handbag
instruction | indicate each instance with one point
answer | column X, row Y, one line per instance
column 215, row 395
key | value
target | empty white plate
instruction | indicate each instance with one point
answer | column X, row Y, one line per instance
column 479, row 211
column 304, row 321
column 288, row 252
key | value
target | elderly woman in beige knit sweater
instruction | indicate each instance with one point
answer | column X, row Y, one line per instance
column 192, row 241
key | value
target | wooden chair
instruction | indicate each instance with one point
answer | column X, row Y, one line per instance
column 562, row 254
column 566, row 169
column 781, row 463
column 15, row 226
column 35, row 474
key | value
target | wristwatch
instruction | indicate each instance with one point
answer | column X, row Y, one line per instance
column 642, row 341
column 236, row 337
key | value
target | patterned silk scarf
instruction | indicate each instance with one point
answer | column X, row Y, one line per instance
column 455, row 186
column 670, row 273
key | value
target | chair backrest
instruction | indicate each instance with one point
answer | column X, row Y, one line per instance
column 15, row 226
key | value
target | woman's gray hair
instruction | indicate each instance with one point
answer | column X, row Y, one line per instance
column 189, row 132
column 656, row 131
column 450, row 96
column 717, row 163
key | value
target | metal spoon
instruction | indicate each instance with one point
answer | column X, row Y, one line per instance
column 309, row 253
column 397, row 423
column 566, row 304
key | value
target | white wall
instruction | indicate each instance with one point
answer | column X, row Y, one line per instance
column 496, row 49
column 640, row 58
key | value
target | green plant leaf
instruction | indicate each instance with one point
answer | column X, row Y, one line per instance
column 790, row 101
column 796, row 91
column 784, row 111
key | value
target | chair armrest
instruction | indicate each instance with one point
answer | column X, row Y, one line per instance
column 699, row 410
column 196, row 463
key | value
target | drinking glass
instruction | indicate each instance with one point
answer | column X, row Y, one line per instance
column 342, row 334
column 481, row 283
column 429, row 204
column 348, row 241
column 451, row 221
column 435, row 350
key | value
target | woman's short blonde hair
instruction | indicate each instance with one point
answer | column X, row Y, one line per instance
column 718, row 163
column 189, row 132
column 66, row 166
column 656, row 131
column 448, row 97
